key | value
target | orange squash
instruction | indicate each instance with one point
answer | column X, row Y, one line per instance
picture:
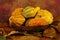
column 36, row 22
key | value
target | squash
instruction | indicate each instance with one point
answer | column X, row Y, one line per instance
column 45, row 14
column 30, row 11
column 17, row 17
column 36, row 22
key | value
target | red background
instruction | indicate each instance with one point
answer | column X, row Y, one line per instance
column 7, row 6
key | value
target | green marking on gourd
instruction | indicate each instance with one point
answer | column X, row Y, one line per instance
column 28, row 12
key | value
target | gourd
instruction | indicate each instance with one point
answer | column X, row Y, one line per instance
column 30, row 11
column 45, row 14
column 16, row 17
column 36, row 22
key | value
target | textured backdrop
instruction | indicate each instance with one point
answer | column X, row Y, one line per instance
column 7, row 6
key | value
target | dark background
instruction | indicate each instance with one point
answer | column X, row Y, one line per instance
column 7, row 6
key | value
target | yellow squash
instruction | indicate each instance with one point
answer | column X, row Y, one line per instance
column 45, row 14
column 16, row 17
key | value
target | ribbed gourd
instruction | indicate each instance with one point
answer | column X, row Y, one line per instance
column 45, row 14
column 30, row 11
column 16, row 17
column 49, row 32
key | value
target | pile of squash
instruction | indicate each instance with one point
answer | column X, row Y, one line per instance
column 30, row 22
column 30, row 17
